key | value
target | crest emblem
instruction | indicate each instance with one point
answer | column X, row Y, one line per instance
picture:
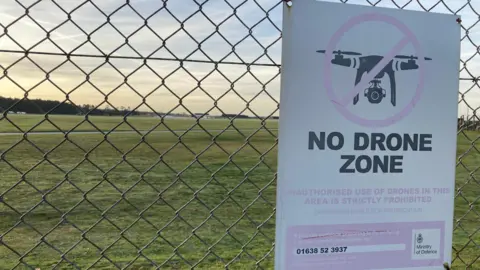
column 419, row 238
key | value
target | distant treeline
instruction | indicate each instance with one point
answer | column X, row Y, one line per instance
column 40, row 106
column 235, row 116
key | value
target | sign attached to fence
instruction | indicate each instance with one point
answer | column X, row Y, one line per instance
column 367, row 146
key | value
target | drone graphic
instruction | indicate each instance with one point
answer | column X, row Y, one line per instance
column 375, row 93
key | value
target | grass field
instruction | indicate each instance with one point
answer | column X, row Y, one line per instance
column 212, row 198
column 40, row 123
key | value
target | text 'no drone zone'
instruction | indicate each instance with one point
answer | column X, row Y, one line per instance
column 393, row 142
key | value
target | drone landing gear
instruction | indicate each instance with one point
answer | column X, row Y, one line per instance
column 393, row 87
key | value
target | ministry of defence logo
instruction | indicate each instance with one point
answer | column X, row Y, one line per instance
column 419, row 238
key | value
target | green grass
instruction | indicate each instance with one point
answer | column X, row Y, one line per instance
column 41, row 123
column 217, row 211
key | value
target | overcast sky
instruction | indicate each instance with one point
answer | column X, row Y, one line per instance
column 263, row 46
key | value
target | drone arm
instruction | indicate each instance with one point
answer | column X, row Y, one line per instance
column 404, row 65
column 353, row 62
column 342, row 62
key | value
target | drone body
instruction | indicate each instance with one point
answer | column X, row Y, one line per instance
column 365, row 64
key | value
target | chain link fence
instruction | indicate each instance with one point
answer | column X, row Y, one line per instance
column 140, row 134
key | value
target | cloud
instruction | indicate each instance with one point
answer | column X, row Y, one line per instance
column 206, row 32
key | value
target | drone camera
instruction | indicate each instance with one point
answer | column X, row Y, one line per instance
column 375, row 93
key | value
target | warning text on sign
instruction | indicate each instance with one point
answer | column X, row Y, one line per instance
column 369, row 195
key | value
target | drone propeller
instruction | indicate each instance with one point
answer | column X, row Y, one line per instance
column 410, row 57
column 341, row 52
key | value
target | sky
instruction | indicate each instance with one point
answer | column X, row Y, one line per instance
column 203, row 33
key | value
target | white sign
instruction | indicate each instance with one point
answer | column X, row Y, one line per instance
column 367, row 140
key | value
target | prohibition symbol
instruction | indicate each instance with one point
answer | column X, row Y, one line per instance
column 382, row 65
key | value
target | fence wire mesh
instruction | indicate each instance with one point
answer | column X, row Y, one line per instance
column 142, row 134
